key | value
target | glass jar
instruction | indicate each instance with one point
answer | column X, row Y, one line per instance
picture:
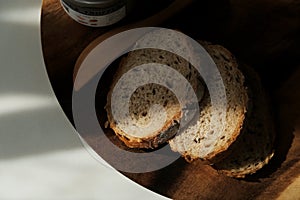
column 96, row 13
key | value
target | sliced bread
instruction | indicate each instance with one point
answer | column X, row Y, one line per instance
column 254, row 147
column 195, row 141
column 149, row 101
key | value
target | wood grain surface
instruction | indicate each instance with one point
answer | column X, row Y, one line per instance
column 269, row 43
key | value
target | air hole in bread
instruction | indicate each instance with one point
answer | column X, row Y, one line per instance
column 153, row 91
column 225, row 58
column 144, row 114
column 166, row 103
column 188, row 158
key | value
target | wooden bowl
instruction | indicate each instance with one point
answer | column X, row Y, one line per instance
column 261, row 33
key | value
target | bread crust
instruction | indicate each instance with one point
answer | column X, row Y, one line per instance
column 260, row 102
column 167, row 132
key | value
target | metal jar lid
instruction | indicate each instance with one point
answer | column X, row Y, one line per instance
column 97, row 13
column 94, row 3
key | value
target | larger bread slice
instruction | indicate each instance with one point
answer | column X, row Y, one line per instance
column 192, row 143
column 148, row 95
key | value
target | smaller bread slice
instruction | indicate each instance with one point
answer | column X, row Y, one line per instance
column 195, row 141
column 148, row 95
column 254, row 147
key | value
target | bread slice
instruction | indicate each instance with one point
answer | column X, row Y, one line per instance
column 200, row 140
column 149, row 101
column 254, row 147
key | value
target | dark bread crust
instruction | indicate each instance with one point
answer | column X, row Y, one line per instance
column 168, row 131
column 254, row 148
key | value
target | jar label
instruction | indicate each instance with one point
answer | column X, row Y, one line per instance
column 105, row 19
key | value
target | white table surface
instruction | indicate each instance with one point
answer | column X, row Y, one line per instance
column 41, row 156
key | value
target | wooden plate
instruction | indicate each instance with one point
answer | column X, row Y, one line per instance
column 245, row 28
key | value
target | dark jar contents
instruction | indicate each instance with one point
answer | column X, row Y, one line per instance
column 96, row 13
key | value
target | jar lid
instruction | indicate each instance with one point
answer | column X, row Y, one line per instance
column 93, row 3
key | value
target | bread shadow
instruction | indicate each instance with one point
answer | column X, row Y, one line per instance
column 283, row 143
column 283, row 99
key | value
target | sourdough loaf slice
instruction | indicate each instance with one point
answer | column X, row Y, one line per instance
column 254, row 147
column 149, row 95
column 193, row 142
